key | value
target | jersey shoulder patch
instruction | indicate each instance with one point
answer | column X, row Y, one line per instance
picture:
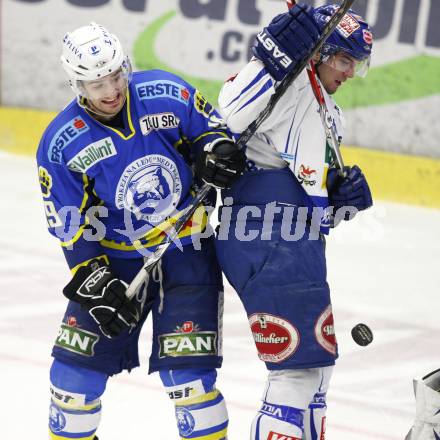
column 158, row 84
column 67, row 126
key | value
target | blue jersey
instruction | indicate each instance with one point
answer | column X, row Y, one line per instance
column 111, row 191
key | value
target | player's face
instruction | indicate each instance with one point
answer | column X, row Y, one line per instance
column 107, row 95
column 336, row 70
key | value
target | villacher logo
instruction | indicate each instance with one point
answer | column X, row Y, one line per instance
column 276, row 339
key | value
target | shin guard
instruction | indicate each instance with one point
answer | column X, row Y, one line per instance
column 75, row 409
column 200, row 408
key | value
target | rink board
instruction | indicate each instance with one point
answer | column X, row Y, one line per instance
column 395, row 177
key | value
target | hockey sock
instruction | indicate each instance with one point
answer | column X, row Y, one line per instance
column 277, row 422
column 293, row 405
column 200, row 408
column 79, row 423
column 75, row 409
column 314, row 418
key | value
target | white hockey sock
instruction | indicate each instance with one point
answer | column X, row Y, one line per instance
column 277, row 422
column 314, row 418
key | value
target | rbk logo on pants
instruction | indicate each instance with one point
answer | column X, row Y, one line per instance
column 276, row 436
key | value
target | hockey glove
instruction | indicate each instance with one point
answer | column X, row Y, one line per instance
column 351, row 191
column 221, row 163
column 287, row 40
column 103, row 295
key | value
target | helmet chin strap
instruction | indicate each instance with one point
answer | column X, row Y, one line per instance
column 317, row 63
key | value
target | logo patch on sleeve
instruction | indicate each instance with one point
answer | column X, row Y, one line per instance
column 64, row 136
column 163, row 89
column 45, row 181
column 276, row 339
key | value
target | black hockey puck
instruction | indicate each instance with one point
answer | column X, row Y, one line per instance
column 362, row 334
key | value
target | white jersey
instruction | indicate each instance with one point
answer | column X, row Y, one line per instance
column 292, row 135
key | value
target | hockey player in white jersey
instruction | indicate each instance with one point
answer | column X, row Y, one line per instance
column 279, row 275
column 427, row 423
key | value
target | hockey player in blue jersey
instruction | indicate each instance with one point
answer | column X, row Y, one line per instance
column 116, row 169
column 281, row 208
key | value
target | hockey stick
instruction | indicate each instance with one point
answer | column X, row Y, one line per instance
column 173, row 233
column 153, row 259
column 291, row 76
column 326, row 118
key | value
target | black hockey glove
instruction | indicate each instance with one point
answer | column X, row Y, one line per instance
column 103, row 295
column 351, row 192
column 221, row 163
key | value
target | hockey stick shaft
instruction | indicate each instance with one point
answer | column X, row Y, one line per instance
column 326, row 118
column 153, row 259
column 172, row 234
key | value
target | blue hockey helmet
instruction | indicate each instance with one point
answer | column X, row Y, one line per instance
column 352, row 36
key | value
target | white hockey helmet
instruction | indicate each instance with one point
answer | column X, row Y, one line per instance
column 91, row 53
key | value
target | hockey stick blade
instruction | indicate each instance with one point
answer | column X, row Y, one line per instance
column 153, row 259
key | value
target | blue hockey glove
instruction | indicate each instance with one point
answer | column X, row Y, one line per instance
column 349, row 191
column 103, row 295
column 288, row 40
column 221, row 163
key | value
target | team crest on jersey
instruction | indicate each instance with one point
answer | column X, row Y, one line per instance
column 150, row 188
column 276, row 338
column 325, row 331
column 64, row 136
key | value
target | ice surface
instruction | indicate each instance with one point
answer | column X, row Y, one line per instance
column 384, row 270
